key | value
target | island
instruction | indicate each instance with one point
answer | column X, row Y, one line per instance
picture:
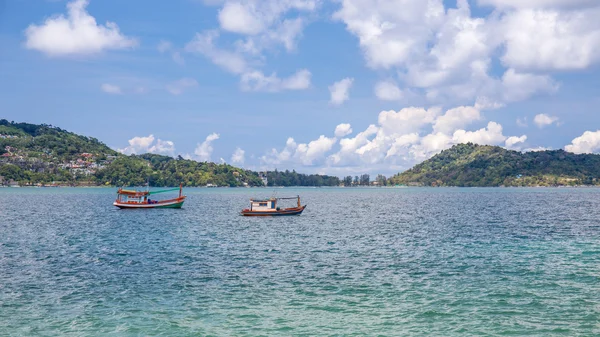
column 472, row 165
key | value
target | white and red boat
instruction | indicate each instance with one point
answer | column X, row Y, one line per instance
column 268, row 207
column 142, row 199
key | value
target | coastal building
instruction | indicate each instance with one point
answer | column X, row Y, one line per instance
column 263, row 177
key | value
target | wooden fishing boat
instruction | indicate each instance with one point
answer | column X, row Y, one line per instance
column 268, row 207
column 141, row 199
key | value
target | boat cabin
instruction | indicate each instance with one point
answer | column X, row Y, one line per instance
column 263, row 205
column 132, row 197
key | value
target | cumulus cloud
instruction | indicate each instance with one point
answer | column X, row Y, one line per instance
column 448, row 53
column 388, row 91
column 178, row 87
column 238, row 157
column 551, row 39
column 205, row 149
column 539, row 3
column 141, row 145
column 343, row 130
column 543, row 120
column 513, row 142
column 589, row 142
column 237, row 18
column 265, row 23
column 111, row 89
column 491, row 135
column 407, row 120
column 398, row 140
column 455, row 119
column 307, row 154
column 77, row 33
column 339, row 91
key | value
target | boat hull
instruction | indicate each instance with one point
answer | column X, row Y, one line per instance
column 175, row 203
column 283, row 212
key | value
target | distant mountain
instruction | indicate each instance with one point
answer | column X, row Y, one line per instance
column 478, row 165
column 32, row 154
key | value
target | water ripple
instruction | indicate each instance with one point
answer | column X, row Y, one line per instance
column 409, row 262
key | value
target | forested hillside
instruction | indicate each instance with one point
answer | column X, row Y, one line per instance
column 478, row 165
column 33, row 154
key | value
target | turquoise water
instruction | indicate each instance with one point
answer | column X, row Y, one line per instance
column 408, row 262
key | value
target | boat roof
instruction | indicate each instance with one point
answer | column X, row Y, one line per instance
column 272, row 199
column 144, row 193
column 132, row 192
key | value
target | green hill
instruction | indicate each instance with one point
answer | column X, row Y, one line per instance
column 477, row 165
column 48, row 142
column 33, row 154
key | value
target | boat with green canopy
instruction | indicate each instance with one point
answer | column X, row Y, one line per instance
column 142, row 199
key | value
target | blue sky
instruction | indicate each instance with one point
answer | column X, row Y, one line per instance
column 325, row 86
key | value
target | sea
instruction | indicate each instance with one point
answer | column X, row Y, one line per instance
column 357, row 262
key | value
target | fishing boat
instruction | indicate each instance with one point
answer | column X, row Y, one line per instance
column 268, row 207
column 141, row 199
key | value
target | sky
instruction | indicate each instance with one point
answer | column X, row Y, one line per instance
column 340, row 87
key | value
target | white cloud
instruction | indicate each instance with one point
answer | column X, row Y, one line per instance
column 343, row 130
column 264, row 24
column 539, row 3
column 141, row 145
column 551, row 39
column 407, row 120
column 257, row 81
column 304, row 154
column 492, row 135
column 250, row 79
column 237, row 18
column 512, row 142
column 447, row 53
column 399, row 140
column 537, row 149
column 76, row 34
column 388, row 91
column 340, row 91
column 111, row 89
column 165, row 147
column 252, row 17
column 238, row 157
column 179, row 86
column 390, row 32
column 205, row 149
column 589, row 142
column 308, row 153
column 455, row 119
column 520, row 86
column 203, row 43
column 543, row 120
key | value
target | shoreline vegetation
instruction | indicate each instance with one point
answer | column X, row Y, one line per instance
column 47, row 156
